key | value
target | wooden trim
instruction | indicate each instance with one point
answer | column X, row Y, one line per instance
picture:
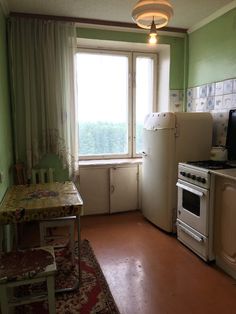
column 93, row 21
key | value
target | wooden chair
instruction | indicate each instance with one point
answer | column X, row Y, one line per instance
column 28, row 267
column 47, row 236
column 43, row 175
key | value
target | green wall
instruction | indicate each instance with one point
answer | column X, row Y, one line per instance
column 212, row 51
column 177, row 49
column 6, row 158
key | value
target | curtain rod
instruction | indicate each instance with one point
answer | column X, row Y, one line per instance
column 92, row 21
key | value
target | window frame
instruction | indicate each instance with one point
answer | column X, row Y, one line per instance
column 131, row 55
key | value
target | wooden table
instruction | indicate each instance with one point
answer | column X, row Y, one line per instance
column 34, row 202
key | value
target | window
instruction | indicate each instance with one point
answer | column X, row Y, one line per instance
column 115, row 91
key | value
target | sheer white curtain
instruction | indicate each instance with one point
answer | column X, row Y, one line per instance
column 43, row 90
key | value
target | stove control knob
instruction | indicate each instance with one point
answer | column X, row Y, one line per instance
column 203, row 180
column 193, row 177
column 188, row 175
column 183, row 173
column 199, row 179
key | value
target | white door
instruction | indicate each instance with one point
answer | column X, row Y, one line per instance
column 94, row 190
column 123, row 189
column 158, row 177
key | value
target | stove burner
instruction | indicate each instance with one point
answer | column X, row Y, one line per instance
column 211, row 164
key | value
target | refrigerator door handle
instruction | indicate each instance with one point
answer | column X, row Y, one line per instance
column 187, row 188
column 144, row 154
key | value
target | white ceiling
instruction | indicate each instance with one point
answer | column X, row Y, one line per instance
column 187, row 13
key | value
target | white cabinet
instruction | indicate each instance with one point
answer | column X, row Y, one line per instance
column 94, row 189
column 123, row 189
column 225, row 224
column 109, row 188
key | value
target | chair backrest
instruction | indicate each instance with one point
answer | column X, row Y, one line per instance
column 20, row 173
column 42, row 175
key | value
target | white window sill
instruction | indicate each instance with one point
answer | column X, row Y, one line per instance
column 110, row 162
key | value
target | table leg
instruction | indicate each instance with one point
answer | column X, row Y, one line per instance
column 79, row 247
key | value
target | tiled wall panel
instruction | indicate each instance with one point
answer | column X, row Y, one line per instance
column 217, row 98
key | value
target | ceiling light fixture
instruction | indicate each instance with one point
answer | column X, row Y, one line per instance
column 152, row 14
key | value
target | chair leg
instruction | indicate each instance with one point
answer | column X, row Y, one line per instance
column 51, row 294
column 4, row 299
column 72, row 242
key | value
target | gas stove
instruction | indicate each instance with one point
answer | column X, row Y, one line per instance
column 212, row 164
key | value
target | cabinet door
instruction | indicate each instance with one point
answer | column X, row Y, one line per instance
column 123, row 188
column 94, row 190
column 225, row 231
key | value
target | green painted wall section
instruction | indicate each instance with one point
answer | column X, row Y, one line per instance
column 177, row 49
column 212, row 51
column 6, row 156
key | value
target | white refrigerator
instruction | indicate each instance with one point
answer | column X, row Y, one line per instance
column 169, row 138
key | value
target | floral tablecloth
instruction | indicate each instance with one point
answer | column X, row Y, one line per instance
column 40, row 201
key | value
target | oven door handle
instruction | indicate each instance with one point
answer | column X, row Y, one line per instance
column 184, row 187
column 191, row 234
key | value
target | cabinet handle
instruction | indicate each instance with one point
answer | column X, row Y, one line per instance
column 112, row 188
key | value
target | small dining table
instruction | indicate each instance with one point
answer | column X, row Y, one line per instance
column 35, row 202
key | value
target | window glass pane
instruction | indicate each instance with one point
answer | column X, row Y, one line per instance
column 144, row 95
column 102, row 103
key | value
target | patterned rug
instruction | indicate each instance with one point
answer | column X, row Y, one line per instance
column 93, row 295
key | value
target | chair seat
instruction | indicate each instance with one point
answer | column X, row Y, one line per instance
column 26, row 264
column 19, row 268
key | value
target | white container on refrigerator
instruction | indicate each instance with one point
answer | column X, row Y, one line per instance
column 169, row 138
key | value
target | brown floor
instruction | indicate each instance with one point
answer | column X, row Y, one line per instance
column 150, row 272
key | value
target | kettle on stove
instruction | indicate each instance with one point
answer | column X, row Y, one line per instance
column 219, row 153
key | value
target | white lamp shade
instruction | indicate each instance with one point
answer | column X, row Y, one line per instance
column 145, row 11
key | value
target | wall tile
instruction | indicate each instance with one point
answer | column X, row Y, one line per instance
column 202, row 91
column 210, row 104
column 174, row 95
column 176, row 100
column 195, row 92
column 201, row 105
column 234, row 86
column 190, row 93
column 219, row 88
column 190, row 105
column 210, row 89
column 234, row 101
column 218, row 102
column 227, row 101
column 220, row 123
column 228, row 86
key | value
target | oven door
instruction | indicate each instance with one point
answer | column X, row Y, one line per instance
column 193, row 206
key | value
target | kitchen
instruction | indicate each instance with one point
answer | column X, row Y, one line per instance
column 200, row 60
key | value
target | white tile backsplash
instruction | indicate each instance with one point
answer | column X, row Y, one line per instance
column 234, row 86
column 227, row 101
column 210, row 89
column 176, row 100
column 228, row 86
column 210, row 104
column 217, row 98
column 202, row 104
column 218, row 102
column 219, row 88
column 203, row 91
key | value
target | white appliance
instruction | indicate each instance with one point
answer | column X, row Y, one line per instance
column 195, row 210
column 169, row 138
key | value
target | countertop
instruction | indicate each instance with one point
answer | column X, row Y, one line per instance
column 226, row 173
